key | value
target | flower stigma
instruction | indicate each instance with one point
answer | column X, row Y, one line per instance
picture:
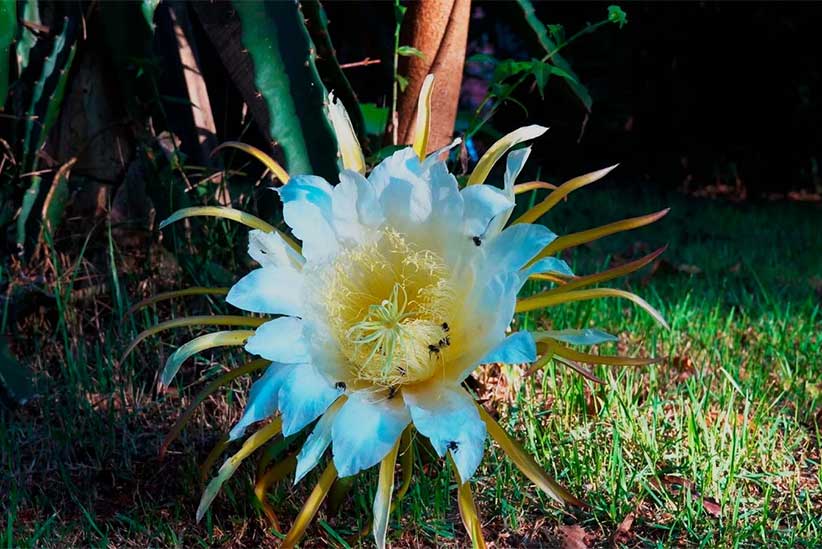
column 389, row 306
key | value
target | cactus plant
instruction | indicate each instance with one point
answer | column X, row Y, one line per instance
column 285, row 74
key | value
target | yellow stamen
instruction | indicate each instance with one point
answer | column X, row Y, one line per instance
column 386, row 303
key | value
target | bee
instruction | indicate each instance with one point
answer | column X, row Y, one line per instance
column 453, row 445
column 444, row 342
column 433, row 349
column 340, row 385
column 392, row 392
column 445, row 327
column 477, row 240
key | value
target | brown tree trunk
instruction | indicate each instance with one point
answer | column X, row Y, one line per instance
column 439, row 29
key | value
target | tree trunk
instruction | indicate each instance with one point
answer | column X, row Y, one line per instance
column 439, row 29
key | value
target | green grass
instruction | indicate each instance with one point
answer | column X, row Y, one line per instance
column 718, row 445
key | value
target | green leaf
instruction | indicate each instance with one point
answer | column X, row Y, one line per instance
column 148, row 7
column 617, row 16
column 8, row 28
column 15, row 378
column 31, row 13
column 375, row 118
column 542, row 72
column 482, row 58
column 410, row 51
column 550, row 47
column 402, row 81
column 285, row 73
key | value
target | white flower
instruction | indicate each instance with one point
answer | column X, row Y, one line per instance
column 404, row 283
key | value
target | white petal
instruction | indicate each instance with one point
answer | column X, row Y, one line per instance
column 279, row 340
column 270, row 250
column 316, row 443
column 262, row 398
column 518, row 348
column 514, row 247
column 307, row 210
column 587, row 336
column 549, row 265
column 447, row 202
column 355, row 207
column 364, row 432
column 304, row 395
column 406, row 203
column 269, row 290
column 515, row 163
column 490, row 311
column 435, row 156
column 482, row 204
column 513, row 166
column 450, row 420
column 402, row 165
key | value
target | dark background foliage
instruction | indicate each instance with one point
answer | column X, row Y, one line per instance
column 686, row 91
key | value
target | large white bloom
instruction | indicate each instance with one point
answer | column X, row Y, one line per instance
column 403, row 284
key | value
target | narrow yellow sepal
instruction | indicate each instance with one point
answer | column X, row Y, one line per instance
column 583, row 237
column 275, row 473
column 550, row 299
column 231, row 465
column 382, row 500
column 227, row 338
column 547, row 347
column 561, row 192
column 552, row 347
column 221, row 381
column 205, row 320
column 525, row 463
column 312, row 504
column 532, row 186
column 197, row 290
column 228, row 213
column 277, row 171
column 349, row 145
column 609, row 274
column 468, row 511
column 486, row 163
column 423, row 125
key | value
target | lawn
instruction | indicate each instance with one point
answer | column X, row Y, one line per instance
column 716, row 445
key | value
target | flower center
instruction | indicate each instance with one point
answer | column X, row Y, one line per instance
column 388, row 306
